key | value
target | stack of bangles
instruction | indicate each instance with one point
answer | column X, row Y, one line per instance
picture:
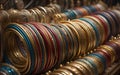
column 92, row 64
column 34, row 48
column 79, row 12
column 36, row 14
column 68, row 4
column 45, row 14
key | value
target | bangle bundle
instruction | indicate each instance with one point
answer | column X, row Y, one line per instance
column 79, row 12
column 35, row 48
column 92, row 64
column 46, row 14
column 36, row 14
column 68, row 4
